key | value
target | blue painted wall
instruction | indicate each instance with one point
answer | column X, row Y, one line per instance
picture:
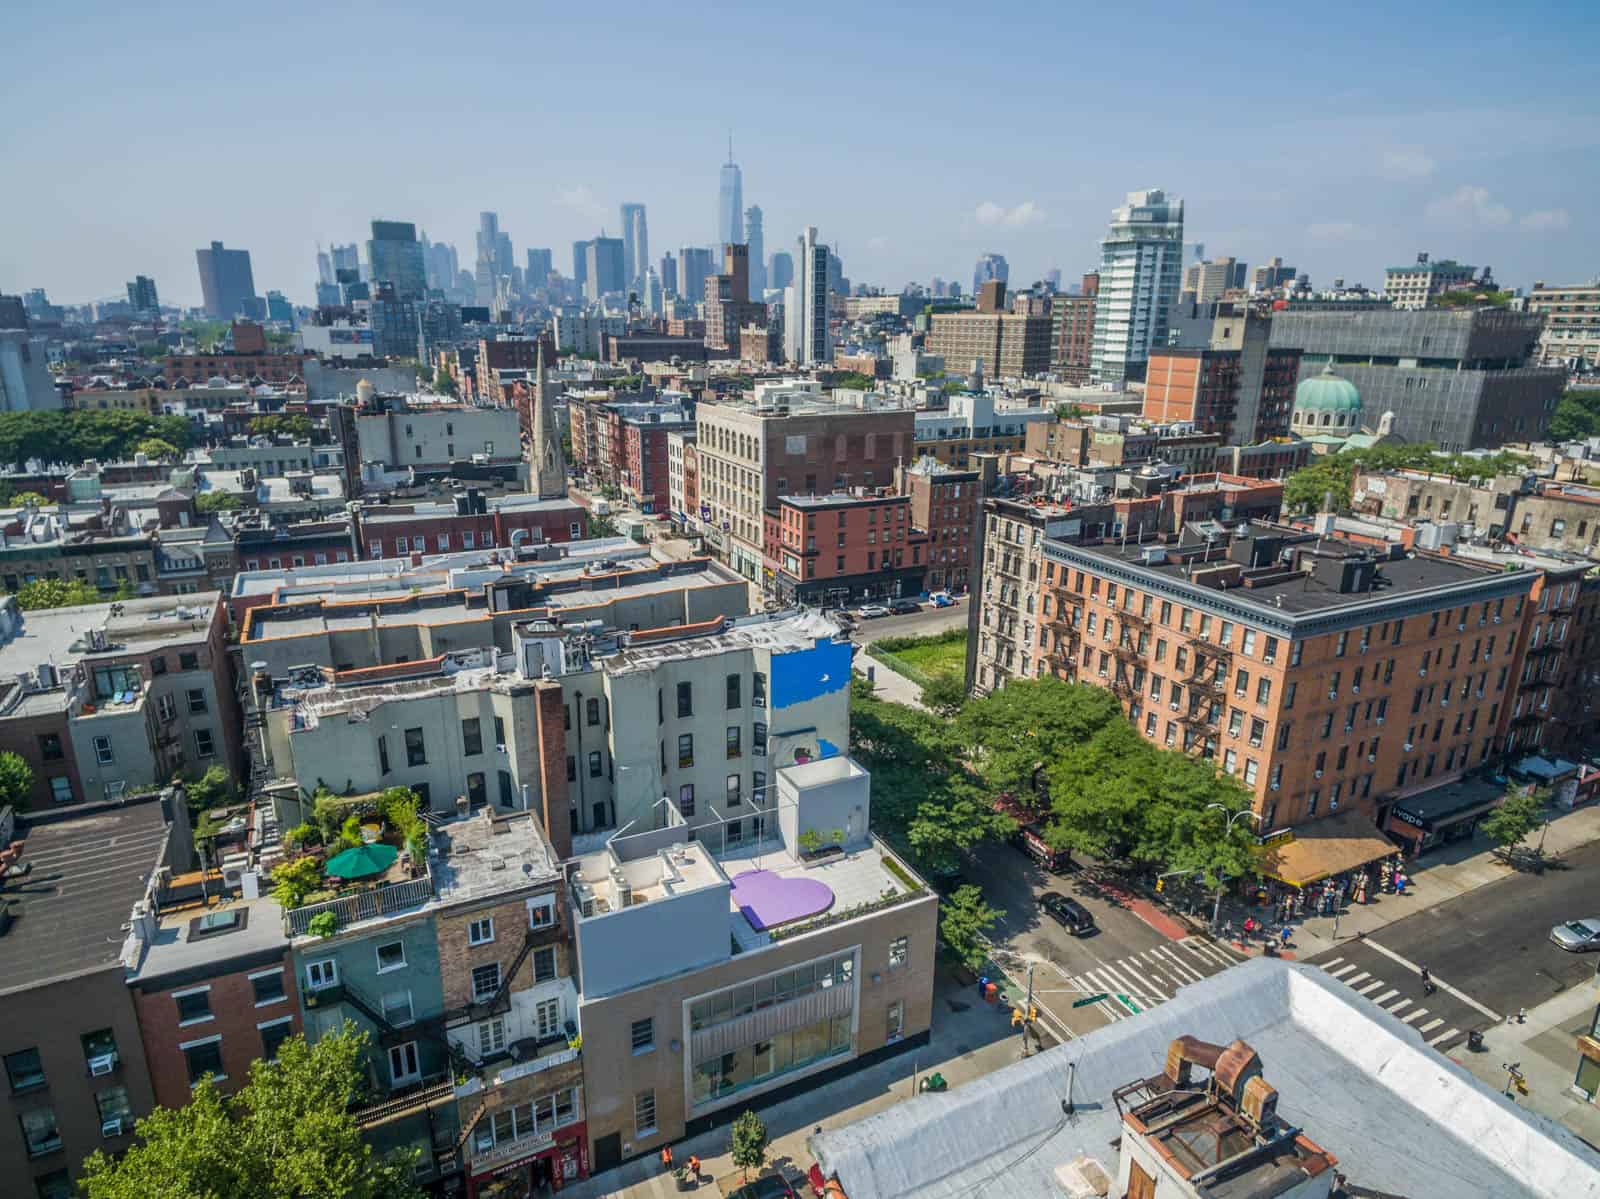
column 803, row 675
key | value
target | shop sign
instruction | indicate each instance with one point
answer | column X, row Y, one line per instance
column 1416, row 821
column 525, row 1150
column 1282, row 837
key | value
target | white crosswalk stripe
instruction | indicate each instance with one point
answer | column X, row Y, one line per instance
column 1342, row 972
column 1445, row 1036
column 1371, row 986
column 1355, row 978
column 1331, row 963
column 1140, row 987
column 1178, row 966
column 1414, row 1016
column 1425, row 1029
column 1394, row 1008
column 1209, row 952
column 1386, row 996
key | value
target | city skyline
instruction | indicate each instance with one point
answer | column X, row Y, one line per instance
column 1489, row 182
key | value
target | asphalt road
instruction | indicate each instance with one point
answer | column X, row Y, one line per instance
column 918, row 624
column 1491, row 946
column 1124, row 957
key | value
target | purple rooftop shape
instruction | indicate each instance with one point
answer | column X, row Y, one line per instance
column 768, row 900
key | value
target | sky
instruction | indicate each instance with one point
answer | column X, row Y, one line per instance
column 915, row 137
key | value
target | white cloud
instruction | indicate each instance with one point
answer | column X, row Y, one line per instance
column 1024, row 214
column 582, row 201
column 1468, row 207
column 1407, row 162
column 1339, row 231
column 1545, row 219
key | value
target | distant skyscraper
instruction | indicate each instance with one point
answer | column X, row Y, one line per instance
column 395, row 256
column 990, row 267
column 485, row 265
column 226, row 282
column 650, row 291
column 1052, row 278
column 279, row 308
column 142, row 294
column 1141, row 267
column 1206, row 280
column 780, row 270
column 755, row 239
column 580, row 263
column 635, row 244
column 730, row 202
column 345, row 258
column 324, row 266
column 806, row 337
column 695, row 266
column 1272, row 276
column 669, row 275
column 541, row 263
column 603, row 267
column 440, row 259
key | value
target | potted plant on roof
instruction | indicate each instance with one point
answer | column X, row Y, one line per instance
column 818, row 844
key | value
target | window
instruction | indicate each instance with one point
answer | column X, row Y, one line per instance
column 55, row 1185
column 320, row 975
column 471, row 737
column 50, row 747
column 642, row 1036
column 481, row 932
column 899, row 952
column 25, row 1069
column 592, row 711
column 499, row 734
column 685, row 749
column 491, row 1037
column 541, row 912
column 102, row 751
column 391, row 956
column 735, row 735
column 267, row 986
column 734, row 690
column 508, row 792
column 205, row 745
column 644, row 1114
column 397, row 1011
column 735, row 798
column 895, row 1020
column 273, row 1034
column 595, row 764
column 189, row 660
column 485, row 981
column 758, row 786
column 1250, row 771
column 758, row 739
column 572, row 769
column 61, row 789
column 758, row 689
column 204, row 1057
column 547, row 1018
column 416, row 750
column 39, row 1131
column 197, row 699
column 685, row 708
column 403, row 1064
column 193, row 1006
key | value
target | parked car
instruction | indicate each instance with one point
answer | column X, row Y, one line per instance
column 1575, row 936
column 773, row 1186
column 1030, row 840
column 942, row 599
column 873, row 611
column 904, row 607
column 1068, row 913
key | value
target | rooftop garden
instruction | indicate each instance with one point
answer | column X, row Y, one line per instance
column 353, row 845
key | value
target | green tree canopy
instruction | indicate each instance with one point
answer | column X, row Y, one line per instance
column 1334, row 475
column 1517, row 816
column 945, row 694
column 748, row 1147
column 107, row 434
column 965, row 919
column 16, row 780
column 157, row 448
column 286, row 1135
column 296, row 426
column 30, row 497
column 444, row 382
column 1030, row 722
column 602, row 526
column 217, row 501
column 1577, row 416
column 55, row 593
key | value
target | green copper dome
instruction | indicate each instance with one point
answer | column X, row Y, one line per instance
column 1327, row 392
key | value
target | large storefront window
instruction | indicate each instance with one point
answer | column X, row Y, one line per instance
column 778, row 988
column 783, row 1054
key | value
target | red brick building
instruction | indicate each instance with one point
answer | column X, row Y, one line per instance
column 945, row 503
column 841, row 548
column 1072, row 331
column 641, row 432
column 471, row 523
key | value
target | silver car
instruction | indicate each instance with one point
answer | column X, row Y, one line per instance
column 1575, row 936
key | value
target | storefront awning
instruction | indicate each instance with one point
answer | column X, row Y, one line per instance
column 1438, row 807
column 1326, row 848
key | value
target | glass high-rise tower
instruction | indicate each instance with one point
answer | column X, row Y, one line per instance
column 1141, row 271
column 730, row 203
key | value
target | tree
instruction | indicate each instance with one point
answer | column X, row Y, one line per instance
column 1030, row 721
column 945, row 695
column 602, row 526
column 1577, row 416
column 965, row 919
column 157, row 449
column 16, row 780
column 749, row 1143
column 1517, row 816
column 293, row 881
column 30, row 497
column 444, row 382
column 217, row 501
column 55, row 593
column 210, row 790
column 288, row 1133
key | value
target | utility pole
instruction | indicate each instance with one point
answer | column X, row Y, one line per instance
column 1027, row 1011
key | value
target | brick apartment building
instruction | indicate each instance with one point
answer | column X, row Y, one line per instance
column 1009, row 344
column 840, row 548
column 248, row 361
column 1325, row 675
column 471, row 521
column 1214, row 389
column 728, row 305
column 1072, row 330
column 946, row 503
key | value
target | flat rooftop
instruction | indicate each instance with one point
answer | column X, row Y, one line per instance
column 1400, row 1118
column 60, row 635
column 87, row 871
column 383, row 515
column 854, row 878
column 194, row 937
column 489, row 854
column 841, row 499
column 782, row 631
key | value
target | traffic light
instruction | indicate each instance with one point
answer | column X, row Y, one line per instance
column 1016, row 1017
column 1160, row 885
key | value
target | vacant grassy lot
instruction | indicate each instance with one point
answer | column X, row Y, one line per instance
column 927, row 657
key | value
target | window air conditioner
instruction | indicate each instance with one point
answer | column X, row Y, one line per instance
column 1497, row 620
column 1274, row 786
column 1372, row 757
column 1380, row 720
column 102, row 1065
column 111, row 1127
column 1462, row 627
column 1318, row 774
column 1333, row 695
column 1408, row 747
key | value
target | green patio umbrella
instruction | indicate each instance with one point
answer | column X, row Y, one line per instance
column 362, row 861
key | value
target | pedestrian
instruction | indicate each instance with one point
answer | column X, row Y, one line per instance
column 694, row 1167
column 666, row 1159
column 1284, row 933
column 1427, row 982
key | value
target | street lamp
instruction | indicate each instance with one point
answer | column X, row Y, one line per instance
column 1216, row 910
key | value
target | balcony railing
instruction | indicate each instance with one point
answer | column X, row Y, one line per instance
column 429, row 1092
column 364, row 905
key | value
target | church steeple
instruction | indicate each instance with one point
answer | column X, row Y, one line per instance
column 547, row 466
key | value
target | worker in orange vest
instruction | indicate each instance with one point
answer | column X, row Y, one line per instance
column 666, row 1158
column 694, row 1166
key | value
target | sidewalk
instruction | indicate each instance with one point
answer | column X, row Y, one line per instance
column 1440, row 876
column 970, row 1039
column 890, row 685
column 1546, row 1047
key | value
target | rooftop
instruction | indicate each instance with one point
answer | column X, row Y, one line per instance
column 784, row 631
column 61, row 636
column 195, row 937
column 840, row 499
column 1399, row 1118
column 88, row 866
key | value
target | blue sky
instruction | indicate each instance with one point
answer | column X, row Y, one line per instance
column 1342, row 137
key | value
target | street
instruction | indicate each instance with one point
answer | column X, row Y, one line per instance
column 1125, row 959
column 1489, row 952
column 925, row 623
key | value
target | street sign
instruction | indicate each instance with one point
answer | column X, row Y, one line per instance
column 1088, row 999
column 1129, row 1004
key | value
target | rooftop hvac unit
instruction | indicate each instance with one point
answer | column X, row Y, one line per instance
column 102, row 1065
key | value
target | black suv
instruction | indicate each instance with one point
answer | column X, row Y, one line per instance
column 904, row 607
column 1068, row 913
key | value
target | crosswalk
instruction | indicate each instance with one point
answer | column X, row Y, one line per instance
column 1153, row 976
column 1436, row 1030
